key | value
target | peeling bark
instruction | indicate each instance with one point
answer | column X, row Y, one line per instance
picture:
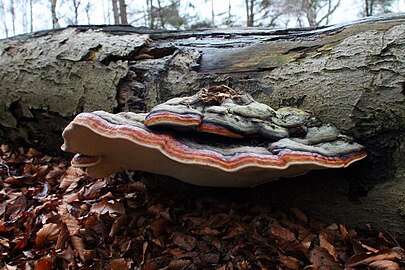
column 350, row 75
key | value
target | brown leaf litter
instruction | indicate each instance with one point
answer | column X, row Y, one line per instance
column 53, row 216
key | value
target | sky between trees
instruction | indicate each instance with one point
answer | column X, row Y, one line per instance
column 22, row 16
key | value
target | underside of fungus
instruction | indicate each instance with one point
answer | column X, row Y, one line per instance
column 214, row 138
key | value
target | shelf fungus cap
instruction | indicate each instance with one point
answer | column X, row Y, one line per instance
column 107, row 143
column 218, row 110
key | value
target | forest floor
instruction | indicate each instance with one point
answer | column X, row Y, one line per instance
column 53, row 216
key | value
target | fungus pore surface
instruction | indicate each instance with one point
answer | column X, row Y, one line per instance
column 215, row 138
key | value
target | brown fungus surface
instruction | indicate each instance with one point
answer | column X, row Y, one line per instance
column 214, row 138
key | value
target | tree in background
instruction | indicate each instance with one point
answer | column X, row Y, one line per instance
column 260, row 11
column 20, row 16
column 123, row 12
column 78, row 7
column 12, row 13
column 119, row 9
column 230, row 20
column 76, row 4
column 115, row 11
column 31, row 4
column 311, row 12
column 55, row 20
column 165, row 14
column 3, row 17
column 377, row 7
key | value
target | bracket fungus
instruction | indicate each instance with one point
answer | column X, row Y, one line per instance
column 214, row 138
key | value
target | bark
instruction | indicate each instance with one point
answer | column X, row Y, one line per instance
column 12, row 12
column 123, row 12
column 31, row 17
column 352, row 76
column 249, row 12
column 55, row 20
column 115, row 12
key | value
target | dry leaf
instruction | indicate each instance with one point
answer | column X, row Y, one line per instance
column 186, row 242
column 118, row 264
column 320, row 257
column 159, row 211
column 110, row 207
column 299, row 215
column 119, row 225
column 71, row 223
column 324, row 243
column 45, row 263
column 78, row 245
column 9, row 267
column 395, row 253
column 72, row 176
column 48, row 232
column 179, row 264
column 235, row 230
column 282, row 234
column 384, row 265
column 289, row 262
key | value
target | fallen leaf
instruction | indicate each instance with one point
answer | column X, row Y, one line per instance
column 45, row 263
column 282, row 234
column 320, row 257
column 324, row 243
column 159, row 211
column 235, row 230
column 48, row 232
column 9, row 267
column 70, row 179
column 186, row 242
column 110, row 207
column 119, row 264
column 384, row 265
column 395, row 253
column 289, row 262
column 299, row 215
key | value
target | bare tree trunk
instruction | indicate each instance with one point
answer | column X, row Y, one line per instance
column 123, row 12
column 87, row 9
column 229, row 19
column 249, row 12
column 31, row 17
column 351, row 76
column 369, row 7
column 55, row 21
column 309, row 9
column 76, row 4
column 161, row 18
column 4, row 21
column 212, row 14
column 24, row 15
column 151, row 14
column 115, row 12
column 12, row 12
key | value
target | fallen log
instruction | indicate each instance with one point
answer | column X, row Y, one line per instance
column 352, row 76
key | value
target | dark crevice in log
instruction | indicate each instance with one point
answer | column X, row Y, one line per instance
column 91, row 53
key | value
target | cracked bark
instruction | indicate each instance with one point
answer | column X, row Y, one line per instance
column 352, row 76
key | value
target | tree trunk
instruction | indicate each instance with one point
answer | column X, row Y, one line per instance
column 115, row 12
column 123, row 12
column 55, row 20
column 352, row 76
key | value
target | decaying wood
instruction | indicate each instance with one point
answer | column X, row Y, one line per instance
column 350, row 75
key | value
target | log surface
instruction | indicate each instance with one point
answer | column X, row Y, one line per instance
column 350, row 75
